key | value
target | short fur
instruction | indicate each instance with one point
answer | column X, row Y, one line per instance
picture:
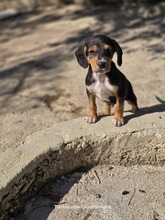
column 103, row 79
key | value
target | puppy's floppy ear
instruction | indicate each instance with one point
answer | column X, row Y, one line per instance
column 80, row 55
column 118, row 51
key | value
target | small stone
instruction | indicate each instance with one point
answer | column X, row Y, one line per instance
column 98, row 196
column 110, row 168
column 125, row 192
column 142, row 191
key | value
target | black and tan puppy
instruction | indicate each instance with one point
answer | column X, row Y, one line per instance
column 103, row 79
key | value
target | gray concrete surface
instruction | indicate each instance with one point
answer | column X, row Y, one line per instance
column 74, row 144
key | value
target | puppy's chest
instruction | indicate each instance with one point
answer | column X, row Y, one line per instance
column 102, row 88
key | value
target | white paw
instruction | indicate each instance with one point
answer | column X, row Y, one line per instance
column 118, row 122
column 91, row 120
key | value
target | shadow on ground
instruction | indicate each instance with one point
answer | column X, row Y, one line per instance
column 45, row 201
column 125, row 18
column 147, row 110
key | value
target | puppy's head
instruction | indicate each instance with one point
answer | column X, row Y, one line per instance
column 98, row 53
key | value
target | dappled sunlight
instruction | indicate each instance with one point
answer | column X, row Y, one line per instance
column 37, row 57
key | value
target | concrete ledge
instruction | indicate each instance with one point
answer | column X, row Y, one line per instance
column 73, row 144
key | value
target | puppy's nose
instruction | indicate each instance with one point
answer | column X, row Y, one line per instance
column 102, row 64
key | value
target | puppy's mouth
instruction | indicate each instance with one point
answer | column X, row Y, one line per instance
column 103, row 70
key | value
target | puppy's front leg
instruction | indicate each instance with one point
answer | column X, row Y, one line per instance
column 92, row 108
column 119, row 108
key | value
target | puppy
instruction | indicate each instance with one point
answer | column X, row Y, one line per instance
column 103, row 79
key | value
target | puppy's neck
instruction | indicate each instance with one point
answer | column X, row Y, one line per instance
column 99, row 76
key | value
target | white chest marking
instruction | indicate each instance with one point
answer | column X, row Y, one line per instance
column 101, row 87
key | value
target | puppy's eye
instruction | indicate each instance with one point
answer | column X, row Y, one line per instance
column 92, row 52
column 108, row 52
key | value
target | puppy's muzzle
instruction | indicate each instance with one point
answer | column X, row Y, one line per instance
column 102, row 64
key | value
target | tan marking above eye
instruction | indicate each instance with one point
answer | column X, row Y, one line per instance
column 93, row 48
column 107, row 47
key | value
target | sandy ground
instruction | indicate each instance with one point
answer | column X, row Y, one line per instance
column 40, row 81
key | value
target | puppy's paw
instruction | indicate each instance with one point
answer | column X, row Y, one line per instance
column 91, row 119
column 118, row 122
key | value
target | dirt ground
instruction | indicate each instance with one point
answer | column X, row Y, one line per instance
column 41, row 83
